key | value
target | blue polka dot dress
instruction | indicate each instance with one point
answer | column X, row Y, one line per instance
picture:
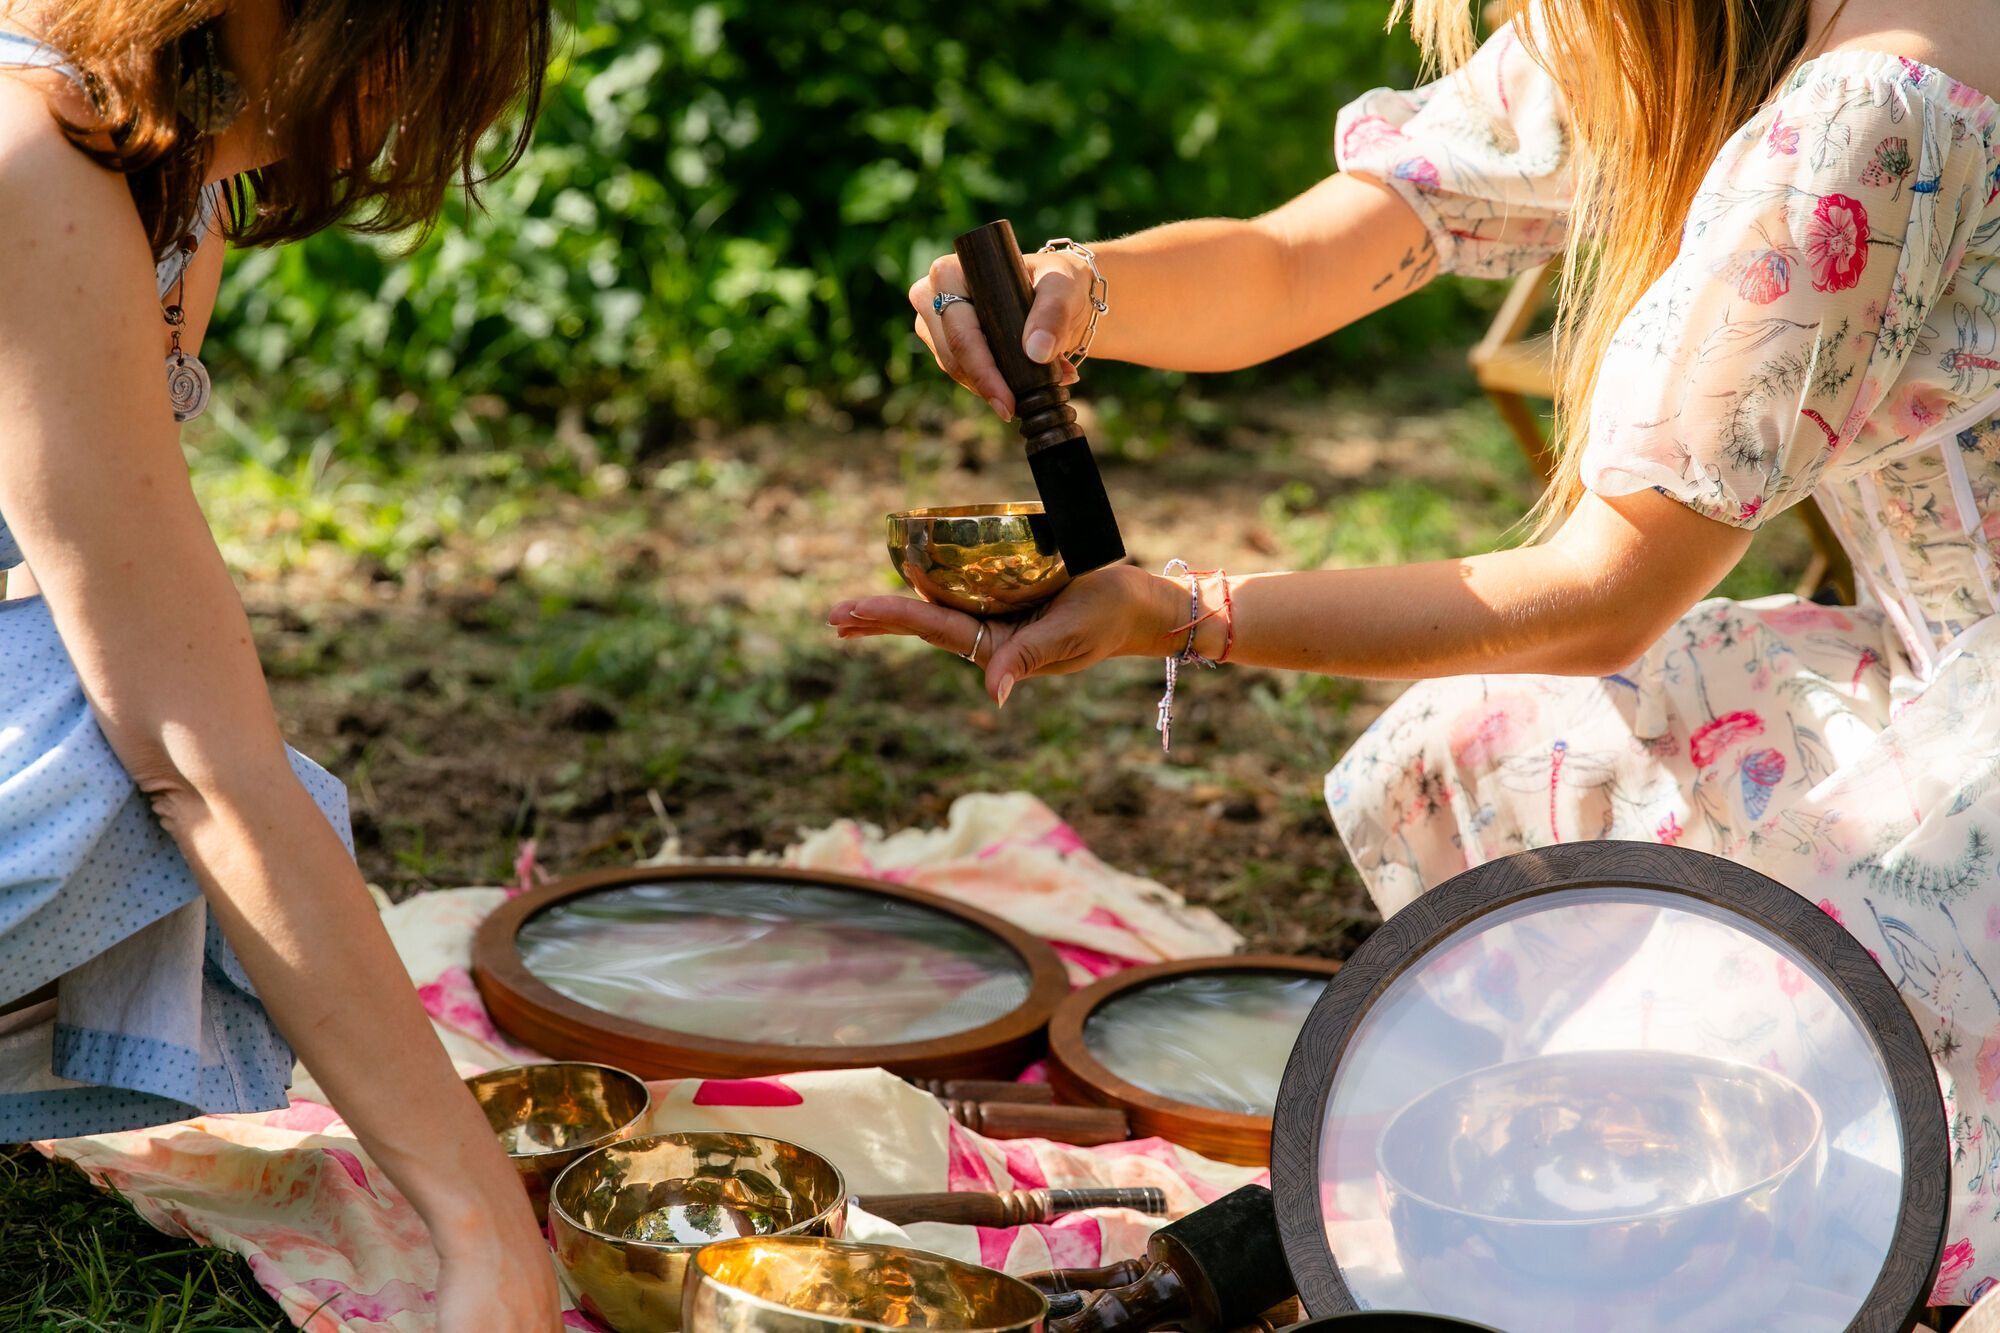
column 153, row 1019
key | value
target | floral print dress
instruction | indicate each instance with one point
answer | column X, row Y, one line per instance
column 1830, row 327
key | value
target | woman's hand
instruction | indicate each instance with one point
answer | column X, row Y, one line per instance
column 1055, row 324
column 1118, row 611
column 492, row 1283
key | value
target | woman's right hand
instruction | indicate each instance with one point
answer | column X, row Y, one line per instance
column 501, row 1281
column 1055, row 324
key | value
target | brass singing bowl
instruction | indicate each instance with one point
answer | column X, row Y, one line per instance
column 986, row 560
column 716, row 1185
column 805, row 1285
column 547, row 1116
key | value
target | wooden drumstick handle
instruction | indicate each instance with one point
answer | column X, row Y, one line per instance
column 1056, row 1281
column 1084, row 1126
column 1072, row 491
column 988, row 1090
column 997, row 279
column 1008, row 1208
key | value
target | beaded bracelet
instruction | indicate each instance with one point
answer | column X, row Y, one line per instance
column 1187, row 654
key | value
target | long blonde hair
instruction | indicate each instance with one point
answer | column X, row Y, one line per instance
column 1654, row 89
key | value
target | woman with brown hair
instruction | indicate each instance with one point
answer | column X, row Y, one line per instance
column 175, row 891
column 1782, row 220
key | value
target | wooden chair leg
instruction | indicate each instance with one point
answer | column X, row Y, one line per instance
column 1526, row 426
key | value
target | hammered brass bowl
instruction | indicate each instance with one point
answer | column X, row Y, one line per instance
column 798, row 1284
column 684, row 1191
column 986, row 560
column 547, row 1116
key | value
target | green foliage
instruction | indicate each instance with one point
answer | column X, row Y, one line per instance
column 726, row 203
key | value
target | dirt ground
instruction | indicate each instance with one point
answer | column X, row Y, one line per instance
column 642, row 656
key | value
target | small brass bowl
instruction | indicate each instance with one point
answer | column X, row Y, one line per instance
column 547, row 1116
column 803, row 1285
column 986, row 560
column 696, row 1188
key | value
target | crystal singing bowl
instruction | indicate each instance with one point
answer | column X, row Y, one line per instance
column 1595, row 1175
column 802, row 1285
column 680, row 1191
column 547, row 1116
column 986, row 560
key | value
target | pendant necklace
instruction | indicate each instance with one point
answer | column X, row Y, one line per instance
column 187, row 377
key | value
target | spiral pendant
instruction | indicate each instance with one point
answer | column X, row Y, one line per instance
column 187, row 385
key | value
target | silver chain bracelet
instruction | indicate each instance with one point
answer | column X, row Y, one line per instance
column 1100, row 295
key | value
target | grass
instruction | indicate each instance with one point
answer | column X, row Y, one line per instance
column 525, row 645
column 73, row 1259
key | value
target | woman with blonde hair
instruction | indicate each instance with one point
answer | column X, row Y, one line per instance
column 1782, row 220
column 175, row 892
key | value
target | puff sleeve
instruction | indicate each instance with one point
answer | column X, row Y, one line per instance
column 1482, row 156
column 1760, row 361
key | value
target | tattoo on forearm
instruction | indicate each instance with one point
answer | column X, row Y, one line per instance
column 1415, row 268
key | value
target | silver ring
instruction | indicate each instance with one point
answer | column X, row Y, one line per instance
column 943, row 299
column 977, row 639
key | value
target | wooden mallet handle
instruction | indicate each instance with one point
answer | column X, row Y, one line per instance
column 1008, row 1208
column 1084, row 1126
column 997, row 279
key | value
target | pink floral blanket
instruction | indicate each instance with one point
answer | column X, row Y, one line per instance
column 342, row 1252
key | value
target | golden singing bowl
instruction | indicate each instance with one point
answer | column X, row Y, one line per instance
column 547, row 1116
column 987, row 560
column 683, row 1191
column 799, row 1284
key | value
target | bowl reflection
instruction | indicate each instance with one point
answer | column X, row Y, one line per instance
column 547, row 1116
column 986, row 560
column 802, row 1285
column 1587, row 1178
column 627, row 1218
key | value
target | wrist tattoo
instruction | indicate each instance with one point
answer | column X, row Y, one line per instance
column 1415, row 268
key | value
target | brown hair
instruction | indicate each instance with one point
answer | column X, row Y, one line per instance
column 1654, row 89
column 376, row 107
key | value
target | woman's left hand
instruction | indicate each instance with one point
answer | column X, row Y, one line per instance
column 1118, row 611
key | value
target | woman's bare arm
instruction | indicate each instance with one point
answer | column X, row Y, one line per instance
column 93, row 484
column 1588, row 602
column 1208, row 295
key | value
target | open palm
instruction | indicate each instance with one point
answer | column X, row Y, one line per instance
column 1102, row 614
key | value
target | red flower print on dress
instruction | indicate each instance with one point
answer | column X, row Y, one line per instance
column 1669, row 832
column 1957, row 1263
column 1783, row 138
column 1826, row 905
column 1837, row 242
column 1711, row 739
column 1366, row 134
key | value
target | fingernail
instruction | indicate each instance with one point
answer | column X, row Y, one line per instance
column 856, row 615
column 999, row 408
column 1006, row 688
column 1040, row 345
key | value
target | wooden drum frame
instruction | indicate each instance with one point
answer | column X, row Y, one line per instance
column 531, row 1011
column 1079, row 1076
column 1410, row 935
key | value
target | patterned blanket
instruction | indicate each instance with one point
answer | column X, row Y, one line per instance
column 341, row 1251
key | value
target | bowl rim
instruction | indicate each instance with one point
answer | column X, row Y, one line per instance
column 991, row 509
column 840, row 1194
column 701, row 1274
column 1779, row 1172
column 581, row 1149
